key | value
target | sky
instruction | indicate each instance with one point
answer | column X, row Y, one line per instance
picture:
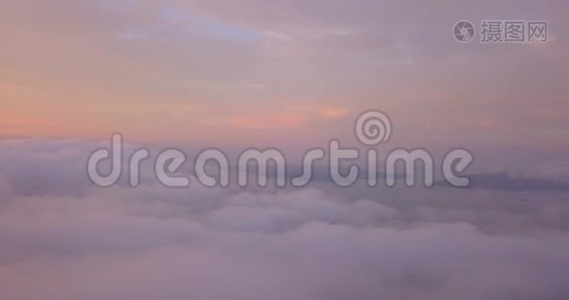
column 292, row 75
column 266, row 72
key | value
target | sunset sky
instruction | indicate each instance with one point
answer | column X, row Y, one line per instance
column 268, row 71
column 288, row 74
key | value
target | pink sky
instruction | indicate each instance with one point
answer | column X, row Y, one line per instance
column 280, row 72
column 290, row 74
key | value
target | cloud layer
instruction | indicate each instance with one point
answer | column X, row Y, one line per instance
column 61, row 238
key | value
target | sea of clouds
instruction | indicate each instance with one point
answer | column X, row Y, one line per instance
column 63, row 238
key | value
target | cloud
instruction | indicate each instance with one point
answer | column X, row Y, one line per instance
column 71, row 240
column 505, row 181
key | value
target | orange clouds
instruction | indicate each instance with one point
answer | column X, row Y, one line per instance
column 290, row 119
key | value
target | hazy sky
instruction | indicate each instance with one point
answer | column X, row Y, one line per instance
column 292, row 74
column 266, row 72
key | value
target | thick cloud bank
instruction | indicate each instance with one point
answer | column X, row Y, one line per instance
column 61, row 238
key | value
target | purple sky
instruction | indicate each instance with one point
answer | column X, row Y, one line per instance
column 291, row 74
